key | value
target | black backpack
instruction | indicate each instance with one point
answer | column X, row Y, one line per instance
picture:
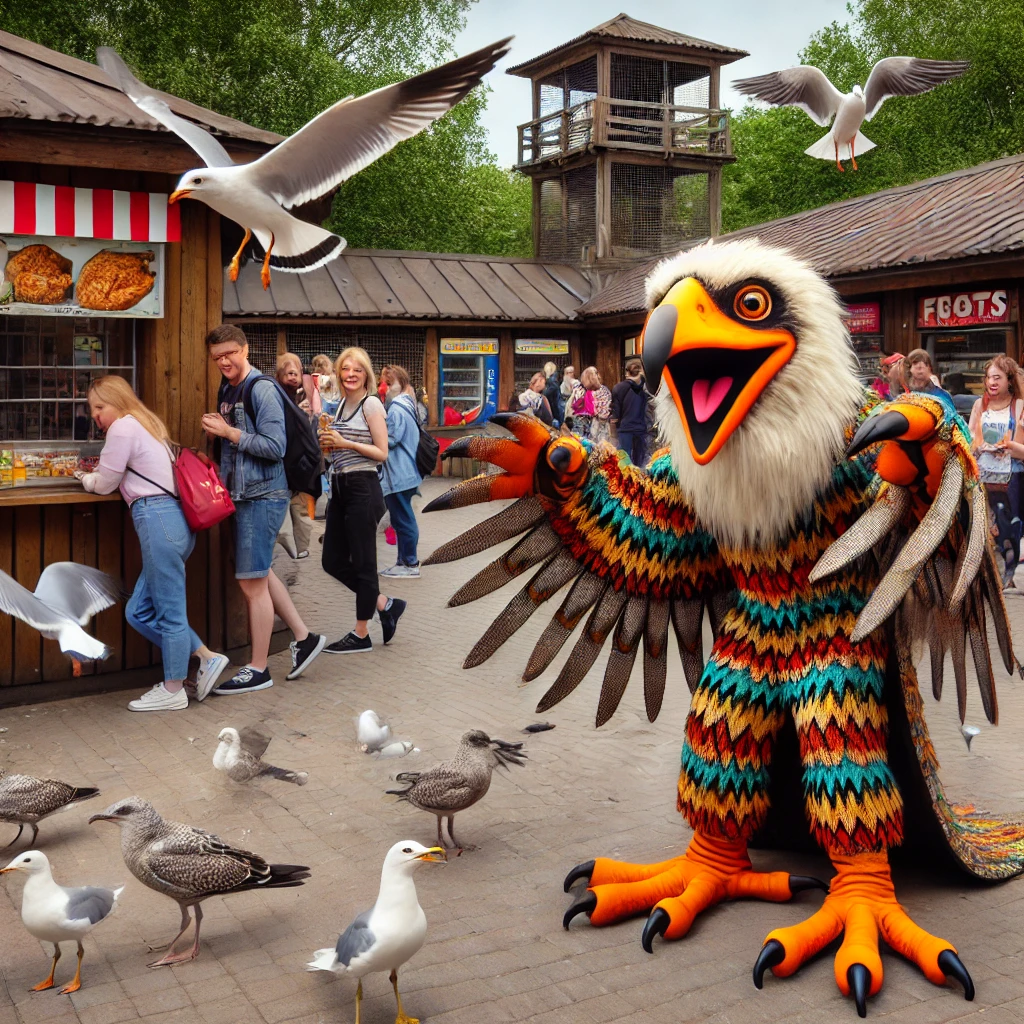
column 303, row 460
column 427, row 448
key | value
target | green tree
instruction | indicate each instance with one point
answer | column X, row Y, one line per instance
column 973, row 119
column 276, row 64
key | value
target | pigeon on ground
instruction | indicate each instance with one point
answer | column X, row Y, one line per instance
column 371, row 733
column 25, row 800
column 391, row 932
column 459, row 783
column 189, row 865
column 239, row 755
column 55, row 913
column 808, row 88
column 67, row 596
column 332, row 147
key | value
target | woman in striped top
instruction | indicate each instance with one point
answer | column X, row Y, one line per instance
column 357, row 443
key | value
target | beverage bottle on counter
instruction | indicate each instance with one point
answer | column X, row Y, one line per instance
column 19, row 474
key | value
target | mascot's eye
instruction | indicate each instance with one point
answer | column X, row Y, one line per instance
column 752, row 303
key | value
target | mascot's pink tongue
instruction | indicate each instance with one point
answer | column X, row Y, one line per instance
column 707, row 397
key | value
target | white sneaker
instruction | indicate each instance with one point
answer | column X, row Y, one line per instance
column 158, row 699
column 208, row 674
column 400, row 571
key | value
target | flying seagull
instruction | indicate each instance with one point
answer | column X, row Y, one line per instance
column 240, row 753
column 25, row 800
column 54, row 913
column 391, row 932
column 66, row 597
column 808, row 88
column 189, row 865
column 459, row 783
column 332, row 147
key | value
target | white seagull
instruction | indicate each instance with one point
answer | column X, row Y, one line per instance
column 808, row 88
column 54, row 913
column 67, row 596
column 240, row 755
column 336, row 144
column 371, row 733
column 391, row 932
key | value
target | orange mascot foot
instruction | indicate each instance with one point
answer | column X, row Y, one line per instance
column 860, row 904
column 710, row 871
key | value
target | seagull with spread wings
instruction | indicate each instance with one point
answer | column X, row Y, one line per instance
column 808, row 88
column 66, row 597
column 335, row 145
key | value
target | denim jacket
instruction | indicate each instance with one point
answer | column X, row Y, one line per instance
column 400, row 472
column 254, row 468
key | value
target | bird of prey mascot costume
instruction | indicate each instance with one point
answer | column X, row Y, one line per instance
column 829, row 538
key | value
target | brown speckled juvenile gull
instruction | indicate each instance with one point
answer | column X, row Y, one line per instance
column 189, row 865
column 240, row 754
column 459, row 783
column 25, row 800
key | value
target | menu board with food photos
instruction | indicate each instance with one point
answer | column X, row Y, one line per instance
column 80, row 277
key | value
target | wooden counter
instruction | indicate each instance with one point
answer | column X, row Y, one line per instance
column 71, row 493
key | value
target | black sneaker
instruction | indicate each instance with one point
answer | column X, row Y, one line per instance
column 350, row 644
column 246, row 680
column 304, row 652
column 389, row 617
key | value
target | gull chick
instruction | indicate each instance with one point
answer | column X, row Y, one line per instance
column 66, row 597
column 391, row 932
column 459, row 783
column 25, row 800
column 332, row 147
column 55, row 913
column 189, row 865
column 808, row 88
column 239, row 754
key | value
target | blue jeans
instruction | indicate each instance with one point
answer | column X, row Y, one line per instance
column 403, row 519
column 156, row 608
column 634, row 444
column 257, row 523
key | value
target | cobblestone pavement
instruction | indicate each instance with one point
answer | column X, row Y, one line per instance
column 495, row 949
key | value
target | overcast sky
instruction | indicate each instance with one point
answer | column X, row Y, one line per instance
column 773, row 33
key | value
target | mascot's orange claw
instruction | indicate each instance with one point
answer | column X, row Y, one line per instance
column 860, row 904
column 710, row 871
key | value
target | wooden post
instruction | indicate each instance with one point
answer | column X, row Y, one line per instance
column 715, row 200
column 432, row 375
column 506, row 366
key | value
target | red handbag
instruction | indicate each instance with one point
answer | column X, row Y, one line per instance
column 205, row 501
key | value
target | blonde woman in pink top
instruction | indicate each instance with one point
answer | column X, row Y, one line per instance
column 137, row 459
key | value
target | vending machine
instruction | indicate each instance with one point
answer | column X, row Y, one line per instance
column 469, row 381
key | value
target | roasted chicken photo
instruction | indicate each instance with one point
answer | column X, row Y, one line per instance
column 113, row 280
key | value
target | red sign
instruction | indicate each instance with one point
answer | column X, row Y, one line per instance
column 864, row 317
column 959, row 309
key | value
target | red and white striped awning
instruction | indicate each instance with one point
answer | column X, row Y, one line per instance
column 65, row 212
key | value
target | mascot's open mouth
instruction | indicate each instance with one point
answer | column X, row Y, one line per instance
column 717, row 350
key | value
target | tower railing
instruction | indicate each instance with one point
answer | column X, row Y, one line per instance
column 663, row 128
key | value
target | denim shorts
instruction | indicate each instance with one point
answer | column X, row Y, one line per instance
column 257, row 523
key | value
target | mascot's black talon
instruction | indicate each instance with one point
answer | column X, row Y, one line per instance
column 502, row 419
column 800, row 883
column 859, row 979
column 772, row 954
column 584, row 870
column 953, row 967
column 584, row 904
column 882, row 427
column 657, row 924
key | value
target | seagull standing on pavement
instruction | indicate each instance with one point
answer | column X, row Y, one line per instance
column 189, row 865
column 391, row 932
column 240, row 754
column 808, row 88
column 54, row 913
column 66, row 597
column 459, row 783
column 26, row 800
column 332, row 147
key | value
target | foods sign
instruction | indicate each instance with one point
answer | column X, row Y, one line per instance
column 961, row 309
column 48, row 276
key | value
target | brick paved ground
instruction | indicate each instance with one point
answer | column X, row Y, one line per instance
column 495, row 949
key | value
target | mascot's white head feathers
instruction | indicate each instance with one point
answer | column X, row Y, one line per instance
column 784, row 451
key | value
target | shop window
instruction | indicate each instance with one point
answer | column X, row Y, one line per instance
column 966, row 352
column 533, row 353
column 47, row 365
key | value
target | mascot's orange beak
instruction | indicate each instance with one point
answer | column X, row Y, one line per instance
column 715, row 364
column 181, row 193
